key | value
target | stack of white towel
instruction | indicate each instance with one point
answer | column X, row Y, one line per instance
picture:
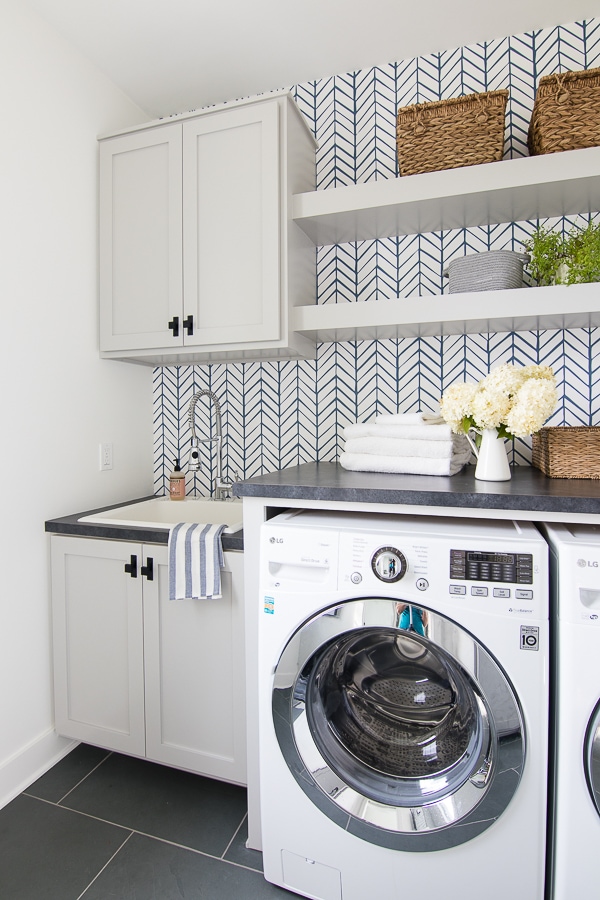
column 407, row 443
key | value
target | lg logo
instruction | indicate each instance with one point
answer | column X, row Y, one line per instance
column 582, row 563
column 275, row 540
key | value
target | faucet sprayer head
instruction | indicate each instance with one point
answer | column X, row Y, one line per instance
column 194, row 464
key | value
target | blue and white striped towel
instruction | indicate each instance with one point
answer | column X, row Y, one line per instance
column 195, row 561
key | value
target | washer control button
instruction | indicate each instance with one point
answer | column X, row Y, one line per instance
column 422, row 584
column 521, row 594
column 502, row 592
column 356, row 578
column 479, row 592
column 389, row 564
column 458, row 589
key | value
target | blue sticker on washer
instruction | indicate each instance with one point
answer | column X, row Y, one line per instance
column 269, row 606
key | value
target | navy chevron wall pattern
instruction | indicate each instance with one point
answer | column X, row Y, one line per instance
column 280, row 414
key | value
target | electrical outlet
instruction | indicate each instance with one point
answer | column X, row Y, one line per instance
column 106, row 457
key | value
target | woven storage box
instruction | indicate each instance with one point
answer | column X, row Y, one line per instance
column 493, row 270
column 567, row 452
column 448, row 134
column 566, row 113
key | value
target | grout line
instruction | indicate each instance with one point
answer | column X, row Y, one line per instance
column 132, row 831
column 81, row 780
column 80, row 812
column 153, row 837
column 109, row 754
column 228, row 862
column 234, row 835
column 107, row 863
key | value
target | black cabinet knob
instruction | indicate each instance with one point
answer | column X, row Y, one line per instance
column 131, row 566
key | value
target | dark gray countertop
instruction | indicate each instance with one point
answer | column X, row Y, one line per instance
column 528, row 490
column 71, row 525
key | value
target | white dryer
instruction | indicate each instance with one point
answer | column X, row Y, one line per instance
column 575, row 807
column 403, row 761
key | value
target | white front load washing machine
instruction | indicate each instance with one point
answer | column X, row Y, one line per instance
column 403, row 706
column 575, row 807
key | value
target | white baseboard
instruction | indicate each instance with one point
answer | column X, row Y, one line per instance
column 32, row 761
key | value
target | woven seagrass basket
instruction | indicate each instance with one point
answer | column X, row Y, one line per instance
column 448, row 134
column 566, row 113
column 567, row 451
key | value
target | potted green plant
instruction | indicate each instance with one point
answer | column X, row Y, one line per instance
column 584, row 255
column 565, row 259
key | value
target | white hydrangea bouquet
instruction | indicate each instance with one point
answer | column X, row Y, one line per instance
column 515, row 401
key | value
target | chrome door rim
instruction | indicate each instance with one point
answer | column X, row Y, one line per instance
column 591, row 751
column 434, row 822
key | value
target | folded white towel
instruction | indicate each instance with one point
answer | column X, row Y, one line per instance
column 428, row 417
column 195, row 561
column 390, row 446
column 411, row 432
column 403, row 465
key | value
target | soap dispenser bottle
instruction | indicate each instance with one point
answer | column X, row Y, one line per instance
column 177, row 483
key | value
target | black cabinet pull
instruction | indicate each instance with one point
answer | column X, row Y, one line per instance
column 131, row 566
column 148, row 569
column 189, row 324
column 174, row 326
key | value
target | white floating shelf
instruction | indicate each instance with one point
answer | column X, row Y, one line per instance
column 512, row 190
column 479, row 312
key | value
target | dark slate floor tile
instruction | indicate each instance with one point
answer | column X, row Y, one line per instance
column 237, row 851
column 146, row 869
column 49, row 853
column 67, row 773
column 167, row 803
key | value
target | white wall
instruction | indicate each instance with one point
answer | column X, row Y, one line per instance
column 58, row 400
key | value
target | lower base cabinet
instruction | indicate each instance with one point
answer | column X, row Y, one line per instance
column 137, row 673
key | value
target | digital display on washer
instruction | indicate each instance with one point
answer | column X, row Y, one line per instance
column 475, row 565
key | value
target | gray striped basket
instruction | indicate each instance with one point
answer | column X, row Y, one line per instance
column 492, row 270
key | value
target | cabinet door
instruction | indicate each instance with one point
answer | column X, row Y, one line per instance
column 195, row 678
column 140, row 239
column 231, row 225
column 98, row 643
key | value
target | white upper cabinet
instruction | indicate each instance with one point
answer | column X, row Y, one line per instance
column 200, row 260
column 140, row 238
column 231, row 203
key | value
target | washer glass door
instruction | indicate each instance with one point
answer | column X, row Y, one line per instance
column 398, row 734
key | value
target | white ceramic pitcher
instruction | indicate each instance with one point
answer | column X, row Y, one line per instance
column 492, row 461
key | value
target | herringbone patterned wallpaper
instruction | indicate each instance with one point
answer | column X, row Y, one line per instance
column 279, row 414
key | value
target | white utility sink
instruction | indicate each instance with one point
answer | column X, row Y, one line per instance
column 162, row 512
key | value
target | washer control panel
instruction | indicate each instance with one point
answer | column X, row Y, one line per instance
column 489, row 567
column 474, row 565
column 389, row 564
